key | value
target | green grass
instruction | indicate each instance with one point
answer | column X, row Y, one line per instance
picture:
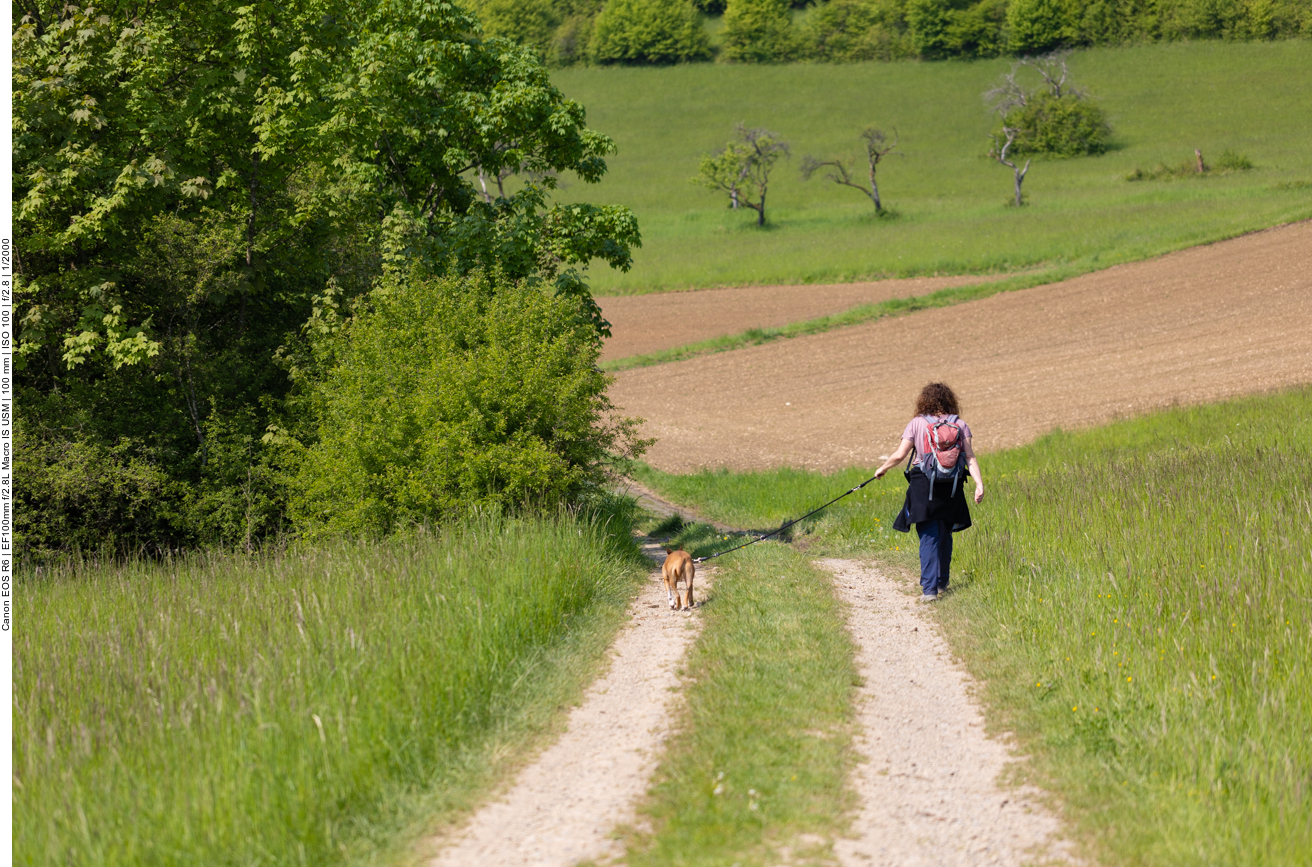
column 1137, row 600
column 762, row 754
column 1163, row 101
column 321, row 707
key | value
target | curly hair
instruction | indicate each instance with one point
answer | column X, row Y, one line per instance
column 937, row 399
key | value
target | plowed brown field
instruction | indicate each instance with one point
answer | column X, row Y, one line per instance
column 1200, row 325
column 650, row 323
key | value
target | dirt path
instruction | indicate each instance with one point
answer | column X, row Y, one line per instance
column 928, row 780
column 562, row 808
column 650, row 323
column 1199, row 325
column 658, row 505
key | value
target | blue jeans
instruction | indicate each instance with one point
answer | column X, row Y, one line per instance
column 935, row 555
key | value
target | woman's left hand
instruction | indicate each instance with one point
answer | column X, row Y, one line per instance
column 979, row 494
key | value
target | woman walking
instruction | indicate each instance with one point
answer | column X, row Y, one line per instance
column 936, row 496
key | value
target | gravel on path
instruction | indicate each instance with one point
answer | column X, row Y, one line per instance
column 928, row 780
column 564, row 807
column 1196, row 326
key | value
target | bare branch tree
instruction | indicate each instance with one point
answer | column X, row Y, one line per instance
column 840, row 170
column 999, row 153
column 1052, row 67
column 743, row 168
column 1009, row 93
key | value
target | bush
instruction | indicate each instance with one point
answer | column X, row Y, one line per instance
column 760, row 31
column 943, row 28
column 850, row 30
column 455, row 393
column 80, row 495
column 1064, row 126
column 528, row 22
column 1036, row 26
column 649, row 31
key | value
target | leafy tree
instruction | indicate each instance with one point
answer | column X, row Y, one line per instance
column 528, row 22
column 649, row 31
column 743, row 169
column 196, row 184
column 849, row 30
column 877, row 146
column 452, row 393
column 1039, row 25
column 759, row 31
column 1055, row 118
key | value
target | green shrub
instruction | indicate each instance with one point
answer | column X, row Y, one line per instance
column 1233, row 161
column 1229, row 161
column 77, row 494
column 528, row 22
column 850, row 30
column 1036, row 26
column 1064, row 126
column 759, row 31
column 649, row 31
column 929, row 22
column 454, row 393
column 951, row 28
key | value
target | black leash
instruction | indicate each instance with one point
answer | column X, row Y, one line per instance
column 789, row 524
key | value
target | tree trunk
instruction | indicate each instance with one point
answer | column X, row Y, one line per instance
column 1199, row 154
column 874, row 190
column 760, row 212
column 1020, row 179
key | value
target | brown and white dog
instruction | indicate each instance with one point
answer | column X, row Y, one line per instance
column 678, row 565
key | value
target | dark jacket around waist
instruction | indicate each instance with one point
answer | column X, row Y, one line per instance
column 945, row 506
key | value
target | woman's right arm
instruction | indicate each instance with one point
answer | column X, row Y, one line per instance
column 894, row 459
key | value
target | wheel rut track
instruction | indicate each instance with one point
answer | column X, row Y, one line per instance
column 566, row 804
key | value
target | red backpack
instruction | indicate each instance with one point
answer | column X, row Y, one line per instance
column 942, row 460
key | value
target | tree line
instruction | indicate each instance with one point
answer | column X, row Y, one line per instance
column 640, row 32
column 217, row 207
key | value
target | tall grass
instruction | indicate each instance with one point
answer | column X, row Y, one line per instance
column 1137, row 600
column 1163, row 101
column 301, row 709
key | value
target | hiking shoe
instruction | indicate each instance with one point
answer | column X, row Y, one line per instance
column 929, row 597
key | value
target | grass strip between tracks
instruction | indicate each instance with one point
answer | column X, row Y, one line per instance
column 854, row 316
column 1137, row 601
column 327, row 706
column 762, row 753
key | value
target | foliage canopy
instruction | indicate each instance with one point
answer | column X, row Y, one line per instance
column 451, row 393
column 196, row 185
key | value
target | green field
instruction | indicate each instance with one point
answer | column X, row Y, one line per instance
column 322, row 707
column 1162, row 100
column 1137, row 600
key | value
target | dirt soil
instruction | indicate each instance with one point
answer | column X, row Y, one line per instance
column 1199, row 325
column 927, row 784
column 564, row 807
column 649, row 323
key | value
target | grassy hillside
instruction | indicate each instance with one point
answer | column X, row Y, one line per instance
column 1137, row 599
column 1163, row 101
column 318, row 708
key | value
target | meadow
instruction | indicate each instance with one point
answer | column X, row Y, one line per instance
column 1137, row 601
column 328, row 705
column 949, row 197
